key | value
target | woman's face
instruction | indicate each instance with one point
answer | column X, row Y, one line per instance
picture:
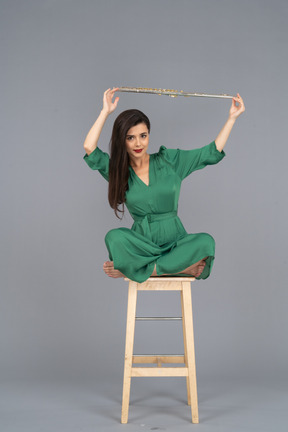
column 137, row 140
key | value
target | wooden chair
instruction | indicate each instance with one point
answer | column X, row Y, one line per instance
column 162, row 283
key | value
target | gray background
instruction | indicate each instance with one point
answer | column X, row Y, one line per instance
column 62, row 319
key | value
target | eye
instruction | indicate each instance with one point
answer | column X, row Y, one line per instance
column 130, row 138
column 144, row 135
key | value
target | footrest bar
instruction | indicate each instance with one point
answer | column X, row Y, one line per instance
column 158, row 318
column 160, row 372
column 158, row 355
column 158, row 359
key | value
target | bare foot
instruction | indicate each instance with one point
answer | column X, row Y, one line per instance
column 108, row 268
column 194, row 270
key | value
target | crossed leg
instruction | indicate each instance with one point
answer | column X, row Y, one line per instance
column 193, row 270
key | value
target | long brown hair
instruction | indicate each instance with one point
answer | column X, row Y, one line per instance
column 119, row 159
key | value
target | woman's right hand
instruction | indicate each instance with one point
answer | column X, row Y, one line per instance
column 91, row 140
column 108, row 105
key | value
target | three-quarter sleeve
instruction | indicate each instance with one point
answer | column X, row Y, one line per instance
column 98, row 160
column 184, row 162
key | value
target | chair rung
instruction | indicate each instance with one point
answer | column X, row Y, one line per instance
column 158, row 358
column 160, row 372
column 158, row 318
column 158, row 355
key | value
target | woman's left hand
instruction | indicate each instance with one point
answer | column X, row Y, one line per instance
column 235, row 111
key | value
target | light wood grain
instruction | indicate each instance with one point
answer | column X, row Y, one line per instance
column 188, row 370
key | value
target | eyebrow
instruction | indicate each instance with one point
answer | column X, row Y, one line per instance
column 141, row 133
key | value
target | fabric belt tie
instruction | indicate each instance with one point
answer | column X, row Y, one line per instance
column 153, row 217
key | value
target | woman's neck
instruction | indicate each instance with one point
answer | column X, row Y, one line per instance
column 140, row 162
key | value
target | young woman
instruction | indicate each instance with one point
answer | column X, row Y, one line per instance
column 149, row 186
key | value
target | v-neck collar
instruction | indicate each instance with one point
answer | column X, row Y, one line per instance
column 149, row 173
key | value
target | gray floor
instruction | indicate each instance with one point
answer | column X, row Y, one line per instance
column 156, row 404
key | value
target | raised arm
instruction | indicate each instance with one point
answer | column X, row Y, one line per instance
column 93, row 135
column 234, row 113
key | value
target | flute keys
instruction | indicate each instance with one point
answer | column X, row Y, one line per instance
column 170, row 92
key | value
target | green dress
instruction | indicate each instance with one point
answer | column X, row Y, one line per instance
column 157, row 235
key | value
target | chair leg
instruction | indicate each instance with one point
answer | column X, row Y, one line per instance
column 189, row 336
column 130, row 329
column 185, row 350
